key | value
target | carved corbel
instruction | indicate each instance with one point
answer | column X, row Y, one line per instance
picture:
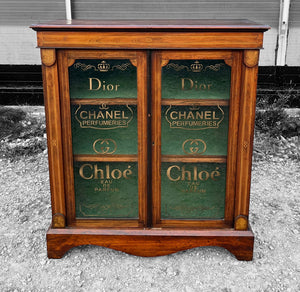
column 164, row 62
column 241, row 222
column 58, row 221
column 228, row 62
column 48, row 57
column 71, row 62
column 133, row 62
column 251, row 58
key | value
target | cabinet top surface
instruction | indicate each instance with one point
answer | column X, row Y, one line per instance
column 152, row 25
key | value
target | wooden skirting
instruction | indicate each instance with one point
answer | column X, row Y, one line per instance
column 151, row 242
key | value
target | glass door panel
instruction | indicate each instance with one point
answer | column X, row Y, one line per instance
column 193, row 107
column 105, row 108
column 196, row 79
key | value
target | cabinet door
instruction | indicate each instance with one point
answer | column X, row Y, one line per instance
column 195, row 108
column 104, row 114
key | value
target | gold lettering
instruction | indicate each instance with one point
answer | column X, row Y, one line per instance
column 123, row 115
column 181, row 115
column 96, row 171
column 169, row 173
column 119, row 174
column 96, row 84
column 190, row 116
column 81, row 171
column 172, row 117
column 207, row 115
column 81, row 115
column 91, row 83
column 201, row 175
column 100, row 115
column 127, row 172
column 110, row 87
column 193, row 174
column 191, row 83
column 92, row 115
column 184, row 172
column 215, row 173
column 107, row 172
column 214, row 116
column 109, row 115
column 199, row 115
column 117, row 114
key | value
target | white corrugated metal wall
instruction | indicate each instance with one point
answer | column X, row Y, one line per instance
column 293, row 47
column 18, row 41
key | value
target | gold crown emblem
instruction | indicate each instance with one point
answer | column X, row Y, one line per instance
column 103, row 66
column 196, row 67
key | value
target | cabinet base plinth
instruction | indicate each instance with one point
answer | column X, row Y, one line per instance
column 150, row 242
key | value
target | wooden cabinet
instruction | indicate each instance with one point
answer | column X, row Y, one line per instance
column 150, row 131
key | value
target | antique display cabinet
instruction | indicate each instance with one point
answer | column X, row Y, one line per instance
column 150, row 130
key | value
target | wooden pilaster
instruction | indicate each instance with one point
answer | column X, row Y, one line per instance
column 54, row 137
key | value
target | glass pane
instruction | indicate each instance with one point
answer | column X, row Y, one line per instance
column 98, row 78
column 106, row 189
column 194, row 130
column 104, row 129
column 193, row 190
column 196, row 79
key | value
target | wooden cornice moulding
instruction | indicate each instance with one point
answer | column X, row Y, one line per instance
column 48, row 57
column 251, row 58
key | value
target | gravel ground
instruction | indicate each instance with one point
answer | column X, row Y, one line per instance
column 25, row 216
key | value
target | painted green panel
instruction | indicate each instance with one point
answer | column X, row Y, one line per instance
column 106, row 189
column 100, row 78
column 199, row 79
column 105, row 129
column 201, row 130
column 193, row 190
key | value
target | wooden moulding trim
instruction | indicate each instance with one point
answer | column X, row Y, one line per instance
column 54, row 135
column 48, row 57
column 193, row 223
column 203, row 102
column 228, row 62
column 105, row 223
column 245, row 136
column 165, row 62
column 133, row 62
column 194, row 158
column 121, row 54
column 100, row 101
column 71, row 61
column 150, row 40
column 241, row 222
column 251, row 58
column 156, row 136
column 108, row 158
column 184, row 54
column 150, row 242
column 58, row 221
column 232, row 137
